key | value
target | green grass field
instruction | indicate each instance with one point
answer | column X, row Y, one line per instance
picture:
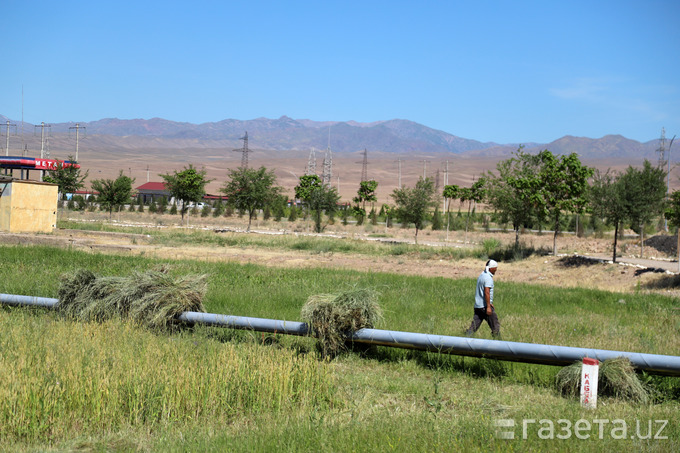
column 117, row 386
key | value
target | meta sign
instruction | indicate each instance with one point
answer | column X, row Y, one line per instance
column 30, row 163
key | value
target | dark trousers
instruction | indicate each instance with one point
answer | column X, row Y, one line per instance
column 492, row 320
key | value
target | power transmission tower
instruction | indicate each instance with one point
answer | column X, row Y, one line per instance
column 244, row 151
column 311, row 163
column 326, row 178
column 15, row 131
column 327, row 175
column 662, row 148
column 399, row 161
column 77, row 127
column 364, row 167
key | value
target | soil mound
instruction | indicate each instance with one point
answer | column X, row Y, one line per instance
column 664, row 244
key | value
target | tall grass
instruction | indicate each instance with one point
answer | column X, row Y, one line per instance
column 64, row 379
column 212, row 389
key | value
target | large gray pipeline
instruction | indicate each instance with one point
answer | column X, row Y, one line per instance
column 473, row 347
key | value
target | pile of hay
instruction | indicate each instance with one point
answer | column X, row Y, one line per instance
column 616, row 378
column 152, row 298
column 333, row 318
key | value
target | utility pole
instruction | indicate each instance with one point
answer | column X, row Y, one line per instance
column 77, row 127
column 424, row 167
column 244, row 151
column 668, row 184
column 42, row 144
column 15, row 128
column 446, row 183
column 147, row 173
column 399, row 161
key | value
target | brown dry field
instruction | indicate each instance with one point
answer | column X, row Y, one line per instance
column 546, row 270
column 104, row 157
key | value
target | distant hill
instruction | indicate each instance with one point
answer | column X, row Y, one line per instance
column 286, row 134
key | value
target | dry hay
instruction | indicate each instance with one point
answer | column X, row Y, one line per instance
column 616, row 378
column 153, row 298
column 333, row 318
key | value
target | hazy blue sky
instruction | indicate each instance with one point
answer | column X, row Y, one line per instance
column 503, row 71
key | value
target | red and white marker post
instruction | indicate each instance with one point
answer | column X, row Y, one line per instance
column 589, row 374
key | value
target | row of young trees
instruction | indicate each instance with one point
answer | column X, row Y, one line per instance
column 525, row 189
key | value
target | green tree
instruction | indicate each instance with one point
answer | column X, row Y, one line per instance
column 437, row 223
column 561, row 186
column 250, row 189
column 163, row 205
column 472, row 194
column 607, row 201
column 293, row 214
column 644, row 190
column 414, row 204
column 511, row 192
column 387, row 210
column 318, row 198
column 279, row 207
column 188, row 186
column 66, row 176
column 113, row 193
column 366, row 193
column 672, row 214
column 450, row 193
column 219, row 208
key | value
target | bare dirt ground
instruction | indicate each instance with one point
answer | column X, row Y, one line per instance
column 576, row 265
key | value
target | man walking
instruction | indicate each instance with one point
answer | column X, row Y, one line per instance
column 484, row 310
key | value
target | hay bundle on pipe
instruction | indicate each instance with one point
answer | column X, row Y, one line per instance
column 616, row 378
column 152, row 298
column 333, row 318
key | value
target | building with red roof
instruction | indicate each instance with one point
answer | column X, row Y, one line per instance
column 152, row 191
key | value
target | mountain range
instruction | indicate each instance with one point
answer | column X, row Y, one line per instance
column 396, row 136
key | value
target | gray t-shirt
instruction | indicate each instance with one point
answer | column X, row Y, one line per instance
column 485, row 280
